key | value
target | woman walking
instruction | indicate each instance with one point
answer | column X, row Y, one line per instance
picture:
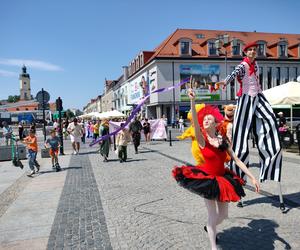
column 105, row 144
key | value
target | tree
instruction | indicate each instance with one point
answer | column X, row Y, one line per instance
column 13, row 98
column 69, row 113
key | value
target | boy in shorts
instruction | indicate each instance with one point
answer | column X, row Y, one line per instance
column 32, row 146
column 53, row 143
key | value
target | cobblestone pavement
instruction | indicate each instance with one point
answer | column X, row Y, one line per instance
column 79, row 222
column 146, row 209
column 138, row 205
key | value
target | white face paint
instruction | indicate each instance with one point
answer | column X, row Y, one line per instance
column 251, row 52
column 209, row 121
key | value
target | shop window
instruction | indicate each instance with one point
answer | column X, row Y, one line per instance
column 261, row 77
column 278, row 76
column 269, row 77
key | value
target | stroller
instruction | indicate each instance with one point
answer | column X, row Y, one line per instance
column 15, row 153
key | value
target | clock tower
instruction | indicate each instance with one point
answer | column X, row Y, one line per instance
column 25, row 90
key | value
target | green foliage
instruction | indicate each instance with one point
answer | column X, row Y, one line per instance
column 13, row 98
column 69, row 113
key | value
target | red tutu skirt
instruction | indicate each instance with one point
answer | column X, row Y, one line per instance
column 224, row 188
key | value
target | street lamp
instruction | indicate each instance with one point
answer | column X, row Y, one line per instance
column 222, row 42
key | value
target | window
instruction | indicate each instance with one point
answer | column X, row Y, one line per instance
column 269, row 72
column 261, row 50
column 296, row 74
column 199, row 36
column 212, row 50
column 236, row 49
column 277, row 76
column 24, row 83
column 232, row 85
column 185, row 48
column 287, row 76
column 261, row 77
column 282, row 50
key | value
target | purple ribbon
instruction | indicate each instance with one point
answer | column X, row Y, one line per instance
column 137, row 109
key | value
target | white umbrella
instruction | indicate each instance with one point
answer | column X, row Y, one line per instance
column 90, row 115
column 115, row 114
column 111, row 114
column 288, row 93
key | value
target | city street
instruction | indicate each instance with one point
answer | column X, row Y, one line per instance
column 137, row 205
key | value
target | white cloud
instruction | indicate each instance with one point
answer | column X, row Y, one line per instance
column 31, row 64
column 6, row 73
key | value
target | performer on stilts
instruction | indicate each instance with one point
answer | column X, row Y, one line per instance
column 254, row 112
column 211, row 180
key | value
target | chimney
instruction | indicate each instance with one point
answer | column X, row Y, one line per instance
column 125, row 72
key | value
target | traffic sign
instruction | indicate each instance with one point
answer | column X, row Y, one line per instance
column 43, row 96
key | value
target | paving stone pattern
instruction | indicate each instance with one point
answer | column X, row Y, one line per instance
column 79, row 222
column 146, row 209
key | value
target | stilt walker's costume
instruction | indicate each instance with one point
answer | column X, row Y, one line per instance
column 254, row 112
column 211, row 179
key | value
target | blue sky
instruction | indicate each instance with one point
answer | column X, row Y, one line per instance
column 71, row 46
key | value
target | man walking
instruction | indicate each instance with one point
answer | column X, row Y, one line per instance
column 135, row 129
column 75, row 131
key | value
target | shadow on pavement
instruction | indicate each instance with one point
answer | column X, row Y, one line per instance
column 136, row 160
column 290, row 200
column 145, row 151
column 89, row 152
column 258, row 234
column 53, row 171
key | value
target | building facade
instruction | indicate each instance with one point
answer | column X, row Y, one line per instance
column 208, row 56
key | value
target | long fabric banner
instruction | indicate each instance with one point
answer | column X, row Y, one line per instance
column 137, row 109
column 157, row 128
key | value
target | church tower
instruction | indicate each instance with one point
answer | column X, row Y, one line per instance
column 25, row 91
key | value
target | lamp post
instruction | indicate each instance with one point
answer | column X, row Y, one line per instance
column 173, row 102
column 220, row 43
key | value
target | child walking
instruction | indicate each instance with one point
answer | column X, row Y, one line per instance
column 31, row 142
column 122, row 140
column 53, row 143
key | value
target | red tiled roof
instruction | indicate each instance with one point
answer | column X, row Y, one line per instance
column 170, row 46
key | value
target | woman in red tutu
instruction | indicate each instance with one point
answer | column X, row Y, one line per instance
column 211, row 180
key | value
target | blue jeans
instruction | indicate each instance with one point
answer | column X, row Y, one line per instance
column 32, row 159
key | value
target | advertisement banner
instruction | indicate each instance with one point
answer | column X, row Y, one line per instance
column 157, row 128
column 203, row 75
column 153, row 79
column 138, row 88
column 158, row 131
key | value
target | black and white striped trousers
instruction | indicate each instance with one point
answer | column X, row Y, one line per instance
column 256, row 113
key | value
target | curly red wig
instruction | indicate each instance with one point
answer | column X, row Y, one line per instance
column 209, row 110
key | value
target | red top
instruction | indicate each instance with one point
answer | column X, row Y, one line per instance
column 214, row 160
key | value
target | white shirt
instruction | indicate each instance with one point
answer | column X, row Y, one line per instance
column 75, row 130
